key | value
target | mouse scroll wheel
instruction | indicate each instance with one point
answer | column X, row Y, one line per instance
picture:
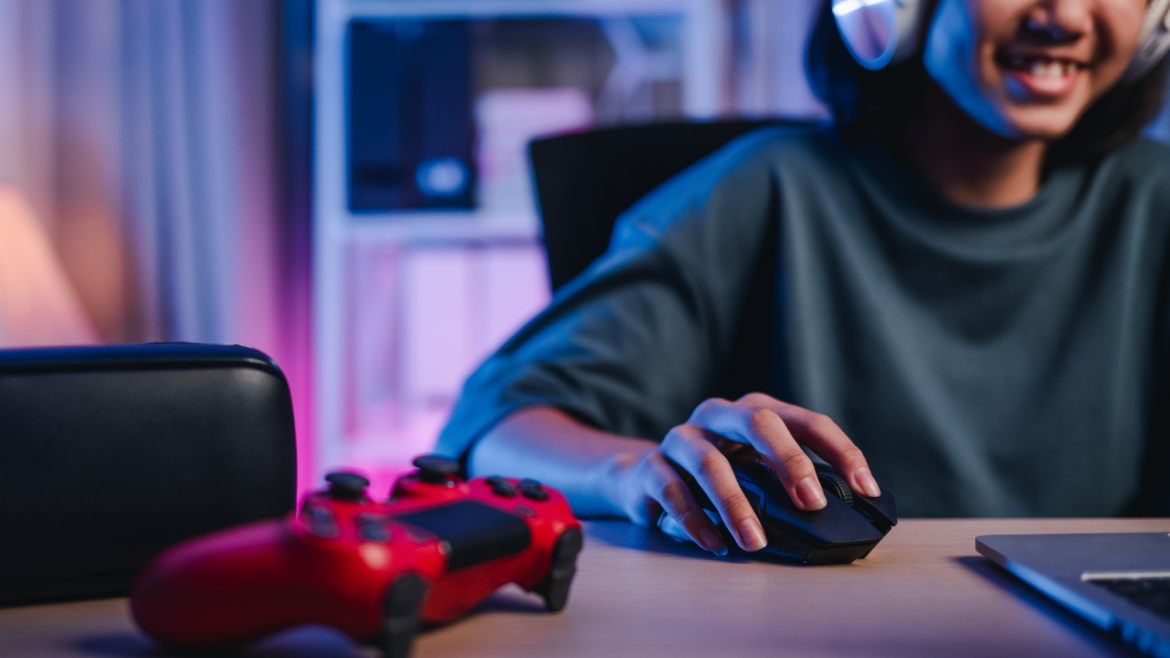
column 836, row 485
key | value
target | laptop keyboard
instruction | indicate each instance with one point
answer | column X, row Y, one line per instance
column 1153, row 594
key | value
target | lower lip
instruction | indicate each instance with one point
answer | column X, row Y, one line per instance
column 1051, row 87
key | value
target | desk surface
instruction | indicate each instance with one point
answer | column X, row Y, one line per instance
column 923, row 592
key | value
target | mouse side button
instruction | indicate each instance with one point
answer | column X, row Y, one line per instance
column 881, row 510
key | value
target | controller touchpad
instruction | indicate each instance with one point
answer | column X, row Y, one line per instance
column 473, row 531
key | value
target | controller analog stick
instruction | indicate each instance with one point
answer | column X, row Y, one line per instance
column 435, row 469
column 347, row 486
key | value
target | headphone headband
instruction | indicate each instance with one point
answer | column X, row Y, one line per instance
column 883, row 32
column 1154, row 42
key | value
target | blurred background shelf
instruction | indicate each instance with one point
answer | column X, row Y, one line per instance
column 427, row 251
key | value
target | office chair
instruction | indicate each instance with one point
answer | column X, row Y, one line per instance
column 585, row 180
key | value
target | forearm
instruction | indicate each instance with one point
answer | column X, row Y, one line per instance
column 550, row 446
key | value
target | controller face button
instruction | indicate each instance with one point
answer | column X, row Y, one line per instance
column 533, row 490
column 320, row 522
column 347, row 486
column 372, row 527
column 504, row 488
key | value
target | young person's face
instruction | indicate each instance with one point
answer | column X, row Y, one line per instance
column 1028, row 69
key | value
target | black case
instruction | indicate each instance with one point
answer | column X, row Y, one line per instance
column 110, row 454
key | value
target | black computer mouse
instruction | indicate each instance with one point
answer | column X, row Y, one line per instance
column 847, row 528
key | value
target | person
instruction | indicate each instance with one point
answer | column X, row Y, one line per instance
column 969, row 297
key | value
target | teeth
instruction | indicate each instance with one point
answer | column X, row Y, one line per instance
column 1050, row 69
column 1040, row 66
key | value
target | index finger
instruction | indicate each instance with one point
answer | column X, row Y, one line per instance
column 825, row 438
column 765, row 431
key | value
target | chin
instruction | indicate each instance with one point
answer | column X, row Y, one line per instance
column 1040, row 125
column 1031, row 117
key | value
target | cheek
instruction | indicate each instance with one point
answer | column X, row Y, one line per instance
column 953, row 44
column 958, row 58
column 1119, row 27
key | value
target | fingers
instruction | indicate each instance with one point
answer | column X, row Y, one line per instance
column 821, row 434
column 763, row 429
column 777, row 430
column 664, row 485
column 694, row 449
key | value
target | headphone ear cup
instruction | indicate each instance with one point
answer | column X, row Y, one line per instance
column 1154, row 42
column 880, row 32
column 911, row 20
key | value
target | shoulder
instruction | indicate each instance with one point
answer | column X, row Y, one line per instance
column 725, row 203
column 1132, row 181
column 1141, row 163
column 747, row 167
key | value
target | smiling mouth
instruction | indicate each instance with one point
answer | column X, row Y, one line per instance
column 1040, row 66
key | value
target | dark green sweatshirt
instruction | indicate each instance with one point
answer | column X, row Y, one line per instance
column 988, row 362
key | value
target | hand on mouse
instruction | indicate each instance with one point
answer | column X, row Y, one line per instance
column 776, row 429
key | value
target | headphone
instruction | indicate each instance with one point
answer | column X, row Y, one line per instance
column 883, row 32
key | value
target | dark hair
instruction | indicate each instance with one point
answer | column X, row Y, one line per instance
column 878, row 101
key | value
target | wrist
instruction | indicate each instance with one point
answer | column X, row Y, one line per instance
column 617, row 480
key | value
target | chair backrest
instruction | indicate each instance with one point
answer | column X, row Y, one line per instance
column 585, row 180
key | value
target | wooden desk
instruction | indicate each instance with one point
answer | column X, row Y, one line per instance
column 923, row 592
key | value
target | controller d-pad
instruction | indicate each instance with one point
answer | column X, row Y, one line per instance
column 372, row 527
column 320, row 521
column 533, row 490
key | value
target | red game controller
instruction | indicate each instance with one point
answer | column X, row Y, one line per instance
column 373, row 570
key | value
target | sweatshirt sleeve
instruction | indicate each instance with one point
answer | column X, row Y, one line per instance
column 636, row 341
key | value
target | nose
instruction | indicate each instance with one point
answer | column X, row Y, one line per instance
column 1060, row 21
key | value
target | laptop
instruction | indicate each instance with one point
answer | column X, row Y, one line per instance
column 1118, row 581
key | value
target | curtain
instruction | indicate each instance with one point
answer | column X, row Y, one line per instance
column 145, row 177
column 141, row 133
